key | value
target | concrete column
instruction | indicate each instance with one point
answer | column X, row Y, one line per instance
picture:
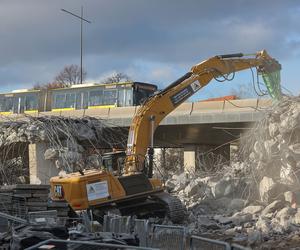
column 189, row 157
column 40, row 170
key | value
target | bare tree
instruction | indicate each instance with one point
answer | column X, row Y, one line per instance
column 117, row 77
column 70, row 75
column 49, row 85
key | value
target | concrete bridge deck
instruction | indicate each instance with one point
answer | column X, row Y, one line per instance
column 190, row 123
column 206, row 112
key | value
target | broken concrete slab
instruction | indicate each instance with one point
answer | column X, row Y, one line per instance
column 253, row 209
column 263, row 225
column 296, row 217
column 290, row 197
column 236, row 204
column 265, row 188
column 223, row 220
column 273, row 207
column 220, row 188
column 241, row 218
column 285, row 213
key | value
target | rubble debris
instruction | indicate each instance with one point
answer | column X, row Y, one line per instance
column 253, row 209
column 71, row 143
column 256, row 197
column 30, row 236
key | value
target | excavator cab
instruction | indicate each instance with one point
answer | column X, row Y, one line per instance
column 114, row 162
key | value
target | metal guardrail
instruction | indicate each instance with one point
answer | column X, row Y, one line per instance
column 48, row 217
column 200, row 243
column 239, row 247
column 13, row 205
column 13, row 211
column 120, row 224
column 14, row 219
column 168, row 237
column 141, row 229
column 117, row 224
column 71, row 244
column 164, row 237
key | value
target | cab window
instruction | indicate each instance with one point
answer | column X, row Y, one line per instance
column 141, row 95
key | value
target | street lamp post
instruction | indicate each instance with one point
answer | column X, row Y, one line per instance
column 81, row 41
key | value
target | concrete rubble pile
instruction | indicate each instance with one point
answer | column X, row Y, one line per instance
column 71, row 143
column 256, row 199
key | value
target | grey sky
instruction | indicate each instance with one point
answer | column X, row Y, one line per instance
column 153, row 40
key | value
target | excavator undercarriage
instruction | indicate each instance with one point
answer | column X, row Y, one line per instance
column 156, row 205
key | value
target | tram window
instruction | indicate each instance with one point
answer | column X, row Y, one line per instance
column 31, row 102
column 70, row 100
column 18, row 104
column 15, row 104
column 110, row 97
column 121, row 98
column 59, row 101
column 8, row 104
column 81, row 100
column 128, row 97
column 2, row 105
column 95, row 98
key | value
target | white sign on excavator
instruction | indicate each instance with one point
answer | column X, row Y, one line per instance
column 97, row 190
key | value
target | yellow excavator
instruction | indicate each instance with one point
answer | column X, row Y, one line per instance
column 126, row 184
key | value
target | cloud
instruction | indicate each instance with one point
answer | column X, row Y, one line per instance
column 153, row 40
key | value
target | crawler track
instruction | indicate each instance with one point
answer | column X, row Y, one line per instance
column 175, row 209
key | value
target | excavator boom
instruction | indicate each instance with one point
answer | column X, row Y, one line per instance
column 160, row 105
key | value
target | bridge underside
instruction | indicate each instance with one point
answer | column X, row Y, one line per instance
column 199, row 134
column 198, row 140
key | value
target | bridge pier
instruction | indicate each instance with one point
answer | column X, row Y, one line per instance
column 189, row 157
column 40, row 170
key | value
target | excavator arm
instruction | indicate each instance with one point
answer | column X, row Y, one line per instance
column 157, row 107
